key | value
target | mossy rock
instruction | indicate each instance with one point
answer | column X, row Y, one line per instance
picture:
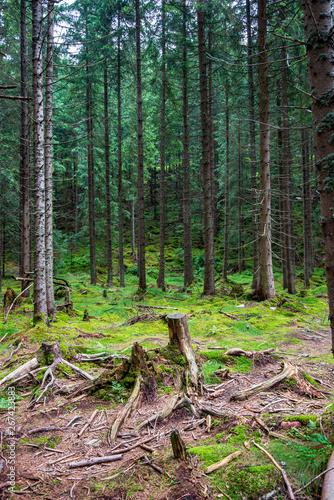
column 252, row 481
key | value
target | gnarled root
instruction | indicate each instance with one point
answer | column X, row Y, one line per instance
column 123, row 414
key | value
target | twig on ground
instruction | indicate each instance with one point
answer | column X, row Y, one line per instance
column 280, row 469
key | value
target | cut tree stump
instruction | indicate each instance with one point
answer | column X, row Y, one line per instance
column 178, row 445
column 179, row 337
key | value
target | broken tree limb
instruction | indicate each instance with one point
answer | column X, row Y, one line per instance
column 88, row 423
column 15, row 299
column 231, row 316
column 280, row 469
column 328, row 486
column 179, row 336
column 162, row 414
column 289, row 370
column 123, row 414
column 21, row 370
column 76, row 369
column 97, row 460
column 222, row 463
column 211, row 411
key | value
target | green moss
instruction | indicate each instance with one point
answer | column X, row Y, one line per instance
column 251, row 482
column 290, row 382
column 303, row 419
column 54, row 441
column 212, row 453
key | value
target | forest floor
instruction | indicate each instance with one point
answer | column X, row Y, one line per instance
column 295, row 327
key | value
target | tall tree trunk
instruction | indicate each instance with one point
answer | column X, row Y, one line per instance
column 90, row 168
column 209, row 281
column 25, row 157
column 161, row 277
column 211, row 123
column 227, row 185
column 290, row 271
column 76, row 200
column 281, row 205
column 119, row 139
column 108, row 197
column 40, row 309
column 256, row 265
column 133, row 233
column 140, row 160
column 307, row 210
column 50, row 299
column 188, row 276
column 241, row 262
column 266, row 286
column 319, row 38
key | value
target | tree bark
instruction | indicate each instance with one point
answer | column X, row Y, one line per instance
column 107, row 163
column 227, row 185
column 50, row 299
column 40, row 309
column 76, row 200
column 119, row 138
column 307, row 210
column 319, row 49
column 140, row 160
column 252, row 151
column 25, row 157
column 187, row 237
column 209, row 282
column 266, row 287
column 241, row 260
column 161, row 277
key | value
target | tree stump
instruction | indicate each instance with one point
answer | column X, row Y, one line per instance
column 179, row 337
column 8, row 297
column 85, row 316
column 178, row 445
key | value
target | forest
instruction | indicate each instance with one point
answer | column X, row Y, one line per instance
column 166, row 249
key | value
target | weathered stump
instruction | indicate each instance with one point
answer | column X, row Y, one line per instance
column 178, row 445
column 85, row 316
column 8, row 297
column 179, row 337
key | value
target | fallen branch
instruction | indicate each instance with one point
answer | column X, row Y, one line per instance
column 21, row 370
column 157, row 307
column 229, row 315
column 212, row 411
column 123, row 414
column 12, row 354
column 171, row 297
column 15, row 299
column 222, row 463
column 289, row 370
column 88, row 423
column 279, row 468
column 97, row 460
column 162, row 414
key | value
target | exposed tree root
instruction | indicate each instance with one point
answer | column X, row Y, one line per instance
column 222, row 463
column 289, row 370
column 123, row 414
column 162, row 414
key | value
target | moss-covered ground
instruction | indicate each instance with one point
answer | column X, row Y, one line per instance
column 279, row 323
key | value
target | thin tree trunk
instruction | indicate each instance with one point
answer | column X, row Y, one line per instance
column 211, row 124
column 108, row 197
column 227, row 185
column 255, row 224
column 161, row 277
column 209, row 282
column 119, row 138
column 90, row 168
column 281, row 198
column 286, row 174
column 25, row 157
column 50, row 299
column 319, row 38
column 307, row 210
column 40, row 309
column 140, row 159
column 241, row 262
column 133, row 233
column 266, row 287
column 188, row 276
column 76, row 200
